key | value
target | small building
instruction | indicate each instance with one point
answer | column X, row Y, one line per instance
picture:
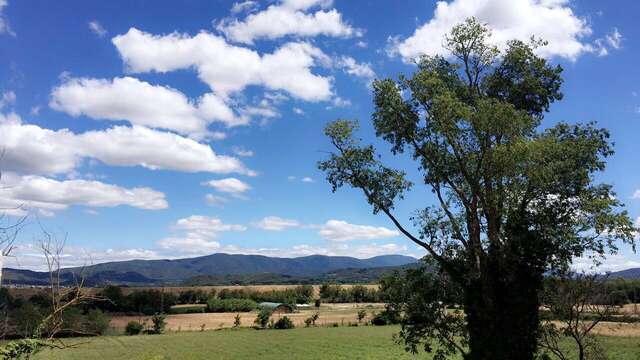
column 277, row 307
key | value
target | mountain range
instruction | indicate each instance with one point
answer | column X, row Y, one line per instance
column 211, row 267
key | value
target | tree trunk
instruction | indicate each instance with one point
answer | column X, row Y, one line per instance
column 502, row 308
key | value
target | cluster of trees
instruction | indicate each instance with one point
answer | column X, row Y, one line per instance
column 333, row 293
column 22, row 318
column 301, row 294
column 231, row 305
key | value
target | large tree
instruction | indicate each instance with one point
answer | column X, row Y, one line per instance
column 513, row 201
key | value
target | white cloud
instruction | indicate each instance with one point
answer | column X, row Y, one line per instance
column 227, row 68
column 352, row 67
column 307, row 179
column 553, row 21
column 275, row 223
column 610, row 264
column 636, row 194
column 141, row 103
column 340, row 102
column 36, row 192
column 287, row 18
column 197, row 234
column 242, row 152
column 298, row 111
column 229, row 185
column 7, row 98
column 614, row 39
column 32, row 149
column 215, row 200
column 245, row 6
column 4, row 24
column 337, row 230
column 97, row 28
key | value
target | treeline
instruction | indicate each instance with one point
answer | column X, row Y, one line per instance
column 21, row 318
column 152, row 301
column 333, row 293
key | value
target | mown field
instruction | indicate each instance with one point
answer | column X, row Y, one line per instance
column 364, row 342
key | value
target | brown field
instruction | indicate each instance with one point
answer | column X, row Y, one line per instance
column 329, row 314
column 26, row 292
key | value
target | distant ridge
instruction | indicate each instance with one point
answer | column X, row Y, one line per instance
column 145, row 272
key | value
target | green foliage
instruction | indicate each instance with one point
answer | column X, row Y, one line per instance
column 23, row 348
column 283, row 323
column 133, row 328
column 194, row 296
column 333, row 293
column 158, row 324
column 513, row 202
column 262, row 319
column 299, row 295
column 230, row 305
column 97, row 322
column 188, row 309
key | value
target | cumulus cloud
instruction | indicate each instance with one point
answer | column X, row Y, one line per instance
column 337, row 230
column 307, row 179
column 197, row 234
column 141, row 103
column 352, row 67
column 4, row 23
column 36, row 192
column 35, row 150
column 226, row 68
column 288, row 18
column 97, row 28
column 275, row 223
column 553, row 21
column 229, row 185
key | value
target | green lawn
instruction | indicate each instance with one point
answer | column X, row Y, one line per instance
column 308, row 343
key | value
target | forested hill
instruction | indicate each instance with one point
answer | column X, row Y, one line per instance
column 176, row 271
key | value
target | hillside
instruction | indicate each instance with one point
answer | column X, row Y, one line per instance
column 144, row 272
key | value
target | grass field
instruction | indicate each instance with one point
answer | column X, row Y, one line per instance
column 365, row 342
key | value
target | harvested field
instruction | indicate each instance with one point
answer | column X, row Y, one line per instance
column 329, row 314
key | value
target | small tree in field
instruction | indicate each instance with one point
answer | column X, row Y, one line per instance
column 513, row 201
column 361, row 315
column 262, row 319
column 578, row 302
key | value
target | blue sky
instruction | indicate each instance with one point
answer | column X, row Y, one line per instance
column 153, row 129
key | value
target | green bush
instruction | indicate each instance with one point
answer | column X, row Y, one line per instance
column 97, row 322
column 133, row 328
column 187, row 309
column 283, row 323
column 230, row 305
column 386, row 317
column 262, row 319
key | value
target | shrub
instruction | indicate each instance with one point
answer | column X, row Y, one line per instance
column 262, row 319
column 386, row 317
column 97, row 322
column 133, row 328
column 236, row 321
column 158, row 324
column 317, row 303
column 230, row 305
column 283, row 323
column 361, row 315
